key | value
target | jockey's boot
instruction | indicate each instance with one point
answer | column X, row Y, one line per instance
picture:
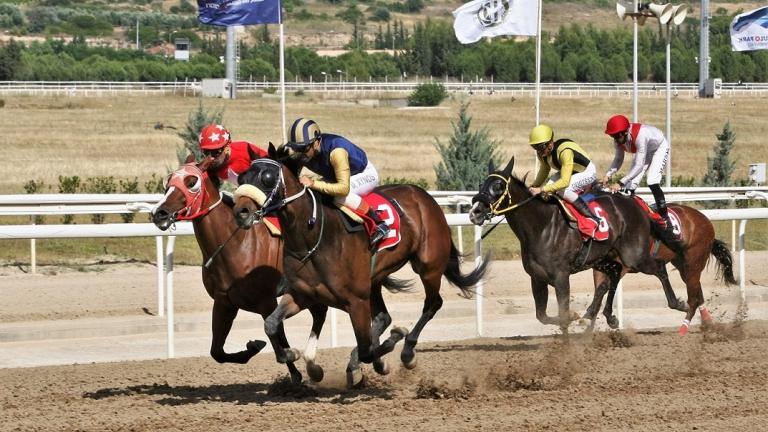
column 667, row 232
column 584, row 209
column 381, row 228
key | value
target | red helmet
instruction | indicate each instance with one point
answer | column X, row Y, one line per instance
column 213, row 136
column 616, row 124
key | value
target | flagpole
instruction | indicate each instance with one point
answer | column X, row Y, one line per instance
column 538, row 79
column 282, row 77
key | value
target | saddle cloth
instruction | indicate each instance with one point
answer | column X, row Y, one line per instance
column 677, row 227
column 587, row 227
column 386, row 211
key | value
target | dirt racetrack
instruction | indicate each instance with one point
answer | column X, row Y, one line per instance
column 713, row 379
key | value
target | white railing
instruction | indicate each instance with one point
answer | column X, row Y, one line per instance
column 60, row 204
column 359, row 88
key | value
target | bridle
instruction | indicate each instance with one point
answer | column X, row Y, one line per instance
column 495, row 207
column 193, row 196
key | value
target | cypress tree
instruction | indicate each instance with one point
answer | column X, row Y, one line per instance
column 720, row 167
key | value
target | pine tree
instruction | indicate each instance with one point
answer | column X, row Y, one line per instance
column 196, row 121
column 465, row 156
column 720, row 167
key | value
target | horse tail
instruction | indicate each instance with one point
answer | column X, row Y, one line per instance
column 465, row 282
column 724, row 262
column 395, row 285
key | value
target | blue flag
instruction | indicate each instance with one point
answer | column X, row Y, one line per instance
column 749, row 31
column 238, row 12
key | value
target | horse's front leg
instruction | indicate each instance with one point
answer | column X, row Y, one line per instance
column 540, row 290
column 273, row 327
column 314, row 370
column 563, row 294
column 222, row 317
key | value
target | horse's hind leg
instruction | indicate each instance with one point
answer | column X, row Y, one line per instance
column 602, row 284
column 380, row 321
column 692, row 277
column 673, row 301
column 222, row 317
column 314, row 370
column 432, row 303
column 615, row 273
column 273, row 327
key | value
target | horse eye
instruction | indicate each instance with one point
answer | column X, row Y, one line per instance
column 268, row 179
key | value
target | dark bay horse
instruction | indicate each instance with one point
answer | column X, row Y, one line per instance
column 247, row 270
column 699, row 242
column 551, row 250
column 327, row 265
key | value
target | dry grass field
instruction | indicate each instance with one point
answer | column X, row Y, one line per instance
column 48, row 136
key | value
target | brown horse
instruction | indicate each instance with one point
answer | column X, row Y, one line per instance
column 698, row 242
column 326, row 264
column 243, row 273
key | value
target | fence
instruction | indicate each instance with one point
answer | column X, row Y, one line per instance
column 59, row 204
column 361, row 88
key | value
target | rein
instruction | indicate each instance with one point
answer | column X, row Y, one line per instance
column 495, row 211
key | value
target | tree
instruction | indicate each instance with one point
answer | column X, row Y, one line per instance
column 720, row 167
column 196, row 121
column 465, row 156
column 10, row 61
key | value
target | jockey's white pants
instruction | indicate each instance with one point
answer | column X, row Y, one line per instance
column 360, row 184
column 653, row 166
column 579, row 181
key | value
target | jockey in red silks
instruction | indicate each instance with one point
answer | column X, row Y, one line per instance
column 230, row 159
column 346, row 172
column 651, row 151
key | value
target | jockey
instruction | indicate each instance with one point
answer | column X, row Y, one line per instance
column 230, row 159
column 575, row 171
column 651, row 152
column 346, row 172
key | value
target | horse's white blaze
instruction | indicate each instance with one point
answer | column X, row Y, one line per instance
column 163, row 199
column 311, row 350
column 251, row 192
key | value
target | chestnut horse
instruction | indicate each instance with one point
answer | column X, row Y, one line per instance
column 327, row 265
column 244, row 273
column 698, row 242
column 551, row 250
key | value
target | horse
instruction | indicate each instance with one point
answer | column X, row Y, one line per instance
column 326, row 264
column 551, row 250
column 242, row 274
column 698, row 243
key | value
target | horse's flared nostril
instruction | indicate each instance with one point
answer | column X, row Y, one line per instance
column 242, row 216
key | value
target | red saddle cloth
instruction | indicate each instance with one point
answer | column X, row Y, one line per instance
column 673, row 217
column 388, row 214
column 588, row 227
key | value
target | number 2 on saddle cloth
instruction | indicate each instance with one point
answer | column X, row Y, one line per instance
column 587, row 227
column 388, row 214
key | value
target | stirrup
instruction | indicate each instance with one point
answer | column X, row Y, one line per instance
column 379, row 233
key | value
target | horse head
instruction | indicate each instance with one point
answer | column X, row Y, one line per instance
column 500, row 192
column 189, row 194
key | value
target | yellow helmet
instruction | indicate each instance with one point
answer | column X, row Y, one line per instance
column 541, row 134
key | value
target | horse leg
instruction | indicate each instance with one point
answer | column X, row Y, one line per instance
column 673, row 301
column 563, row 294
column 314, row 370
column 432, row 303
column 602, row 284
column 273, row 327
column 691, row 277
column 540, row 291
column 380, row 321
column 222, row 317
column 615, row 273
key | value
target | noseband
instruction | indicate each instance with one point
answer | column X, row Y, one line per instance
column 495, row 209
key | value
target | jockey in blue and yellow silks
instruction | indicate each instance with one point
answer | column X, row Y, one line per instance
column 575, row 171
column 346, row 172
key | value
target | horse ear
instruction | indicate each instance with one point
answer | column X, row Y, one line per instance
column 205, row 163
column 510, row 165
column 271, row 150
column 190, row 158
column 252, row 153
column 491, row 168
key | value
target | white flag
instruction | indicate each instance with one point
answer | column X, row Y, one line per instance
column 489, row 18
column 749, row 31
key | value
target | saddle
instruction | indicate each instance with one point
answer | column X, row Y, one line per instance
column 389, row 211
column 677, row 228
column 585, row 225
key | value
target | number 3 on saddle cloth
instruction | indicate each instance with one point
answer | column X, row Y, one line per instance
column 388, row 213
column 673, row 217
column 587, row 227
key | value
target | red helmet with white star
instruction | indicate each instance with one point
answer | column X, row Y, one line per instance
column 213, row 137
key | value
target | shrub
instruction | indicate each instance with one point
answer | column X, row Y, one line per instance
column 428, row 94
column 154, row 184
column 102, row 185
column 420, row 182
column 129, row 187
column 68, row 185
column 32, row 187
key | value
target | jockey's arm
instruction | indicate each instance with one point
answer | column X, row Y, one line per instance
column 637, row 163
column 543, row 173
column 618, row 160
column 566, row 169
column 340, row 163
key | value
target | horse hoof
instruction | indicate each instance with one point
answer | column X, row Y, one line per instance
column 410, row 364
column 316, row 373
column 683, row 328
column 705, row 315
column 381, row 367
column 354, row 378
column 255, row 346
column 293, row 354
column 612, row 321
column 398, row 333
